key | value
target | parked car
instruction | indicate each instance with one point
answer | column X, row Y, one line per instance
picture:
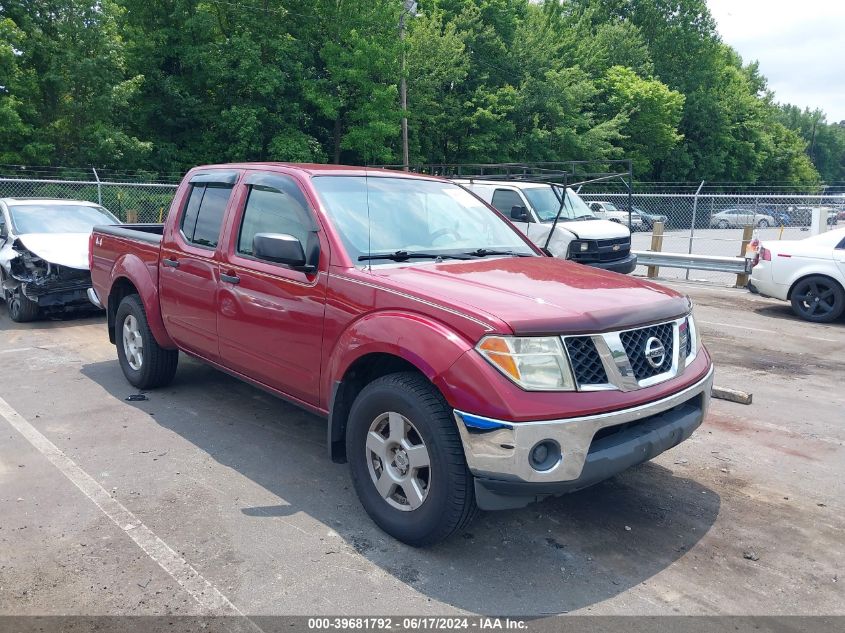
column 782, row 218
column 457, row 365
column 648, row 219
column 810, row 273
column 737, row 218
column 609, row 211
column 44, row 254
column 579, row 235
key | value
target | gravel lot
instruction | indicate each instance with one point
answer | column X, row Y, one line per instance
column 222, row 499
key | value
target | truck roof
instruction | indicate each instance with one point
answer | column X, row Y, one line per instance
column 519, row 184
column 319, row 169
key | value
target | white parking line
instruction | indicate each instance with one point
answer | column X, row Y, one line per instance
column 206, row 594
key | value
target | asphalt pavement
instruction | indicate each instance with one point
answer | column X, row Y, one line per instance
column 210, row 496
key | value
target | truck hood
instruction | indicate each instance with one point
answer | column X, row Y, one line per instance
column 539, row 295
column 595, row 229
column 64, row 249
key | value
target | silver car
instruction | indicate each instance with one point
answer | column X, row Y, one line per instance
column 736, row 218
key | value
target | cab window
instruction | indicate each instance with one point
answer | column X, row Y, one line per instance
column 505, row 199
column 272, row 211
column 203, row 214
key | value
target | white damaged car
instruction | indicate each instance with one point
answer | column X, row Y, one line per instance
column 44, row 254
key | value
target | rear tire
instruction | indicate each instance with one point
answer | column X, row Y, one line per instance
column 144, row 362
column 398, row 412
column 818, row 299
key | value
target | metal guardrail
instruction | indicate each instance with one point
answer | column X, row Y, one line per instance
column 718, row 263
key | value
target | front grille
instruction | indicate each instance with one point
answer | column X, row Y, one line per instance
column 603, row 251
column 685, row 343
column 634, row 342
column 586, row 362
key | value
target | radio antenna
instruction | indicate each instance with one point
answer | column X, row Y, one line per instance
column 369, row 224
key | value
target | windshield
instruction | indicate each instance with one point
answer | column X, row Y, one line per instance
column 546, row 203
column 58, row 218
column 383, row 215
column 609, row 207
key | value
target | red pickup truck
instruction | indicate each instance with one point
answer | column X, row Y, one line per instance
column 456, row 365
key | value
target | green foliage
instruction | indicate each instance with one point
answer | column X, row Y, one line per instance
column 165, row 84
column 651, row 114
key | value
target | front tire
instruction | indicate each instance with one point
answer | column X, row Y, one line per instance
column 407, row 461
column 21, row 308
column 722, row 224
column 144, row 362
column 763, row 224
column 818, row 299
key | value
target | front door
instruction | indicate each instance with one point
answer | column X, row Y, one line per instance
column 270, row 317
column 188, row 269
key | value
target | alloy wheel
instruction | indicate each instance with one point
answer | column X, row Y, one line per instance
column 133, row 343
column 816, row 299
column 398, row 461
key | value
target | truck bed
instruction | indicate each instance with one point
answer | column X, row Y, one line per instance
column 145, row 232
column 120, row 247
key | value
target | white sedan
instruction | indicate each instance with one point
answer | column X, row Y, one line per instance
column 810, row 273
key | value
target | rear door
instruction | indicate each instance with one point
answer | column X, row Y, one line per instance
column 188, row 269
column 270, row 317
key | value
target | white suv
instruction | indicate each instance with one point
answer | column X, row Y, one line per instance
column 579, row 234
column 609, row 211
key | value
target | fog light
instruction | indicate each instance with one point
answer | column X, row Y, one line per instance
column 545, row 455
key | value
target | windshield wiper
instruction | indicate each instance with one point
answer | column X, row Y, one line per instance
column 403, row 256
column 484, row 252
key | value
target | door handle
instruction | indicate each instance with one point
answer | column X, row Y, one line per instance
column 232, row 279
column 173, row 263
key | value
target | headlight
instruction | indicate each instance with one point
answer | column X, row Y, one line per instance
column 693, row 337
column 534, row 363
column 578, row 246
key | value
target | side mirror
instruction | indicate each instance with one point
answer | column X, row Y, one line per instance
column 280, row 248
column 519, row 214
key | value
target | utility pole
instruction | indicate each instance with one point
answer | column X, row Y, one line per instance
column 410, row 8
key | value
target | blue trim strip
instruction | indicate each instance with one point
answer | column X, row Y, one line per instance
column 482, row 424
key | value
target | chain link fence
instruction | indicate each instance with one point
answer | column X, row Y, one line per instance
column 129, row 201
column 712, row 224
column 698, row 223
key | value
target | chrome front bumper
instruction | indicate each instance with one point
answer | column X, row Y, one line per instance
column 501, row 450
column 93, row 298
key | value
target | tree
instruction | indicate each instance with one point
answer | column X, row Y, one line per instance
column 354, row 82
column 14, row 131
column 651, row 114
column 70, row 84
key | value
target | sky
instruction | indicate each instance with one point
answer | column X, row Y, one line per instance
column 800, row 47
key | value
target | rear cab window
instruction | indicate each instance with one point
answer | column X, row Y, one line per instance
column 202, row 217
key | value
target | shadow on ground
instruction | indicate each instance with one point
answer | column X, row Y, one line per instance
column 556, row 556
column 72, row 318
column 784, row 311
